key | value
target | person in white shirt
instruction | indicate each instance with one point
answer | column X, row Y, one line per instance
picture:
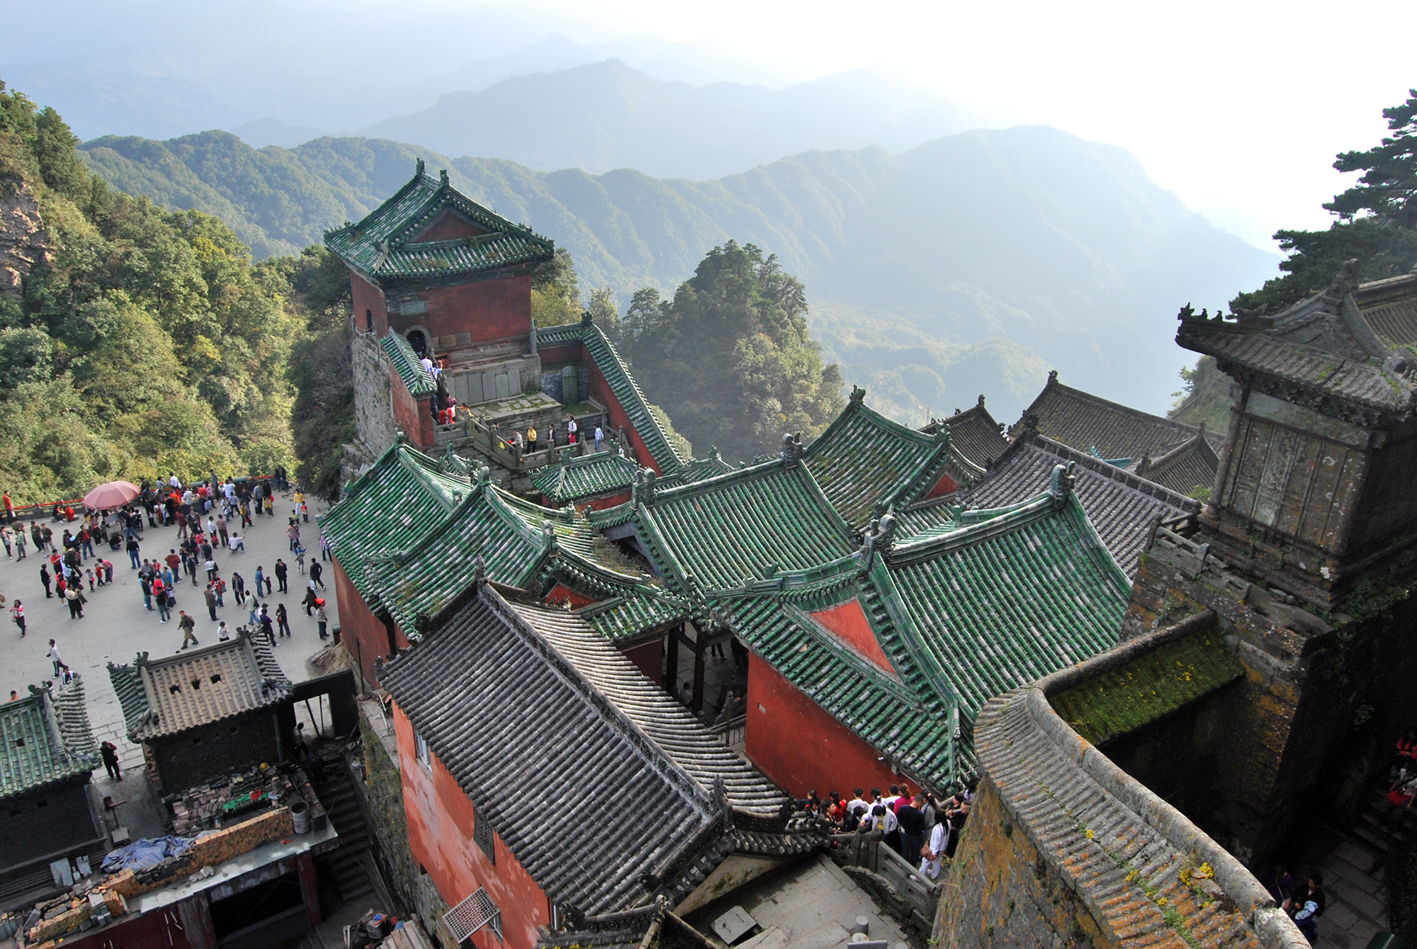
column 427, row 364
column 571, row 429
column 235, row 542
column 933, row 852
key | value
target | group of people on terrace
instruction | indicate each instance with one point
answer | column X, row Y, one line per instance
column 520, row 443
column 919, row 827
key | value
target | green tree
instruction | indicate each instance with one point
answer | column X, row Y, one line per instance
column 1377, row 221
column 1387, row 189
column 555, row 294
column 1204, row 396
column 729, row 358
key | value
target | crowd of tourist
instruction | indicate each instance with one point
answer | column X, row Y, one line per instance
column 917, row 826
column 209, row 516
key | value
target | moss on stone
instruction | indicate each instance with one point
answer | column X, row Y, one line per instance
column 1147, row 688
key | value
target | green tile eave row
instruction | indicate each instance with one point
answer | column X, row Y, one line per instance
column 33, row 755
column 589, row 476
column 724, row 529
column 417, row 379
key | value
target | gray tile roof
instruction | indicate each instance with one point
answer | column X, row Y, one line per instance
column 1121, row 505
column 46, row 740
column 975, row 433
column 1088, row 423
column 162, row 697
column 1353, row 359
column 538, row 718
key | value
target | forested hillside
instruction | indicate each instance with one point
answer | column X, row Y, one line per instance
column 133, row 340
column 971, row 264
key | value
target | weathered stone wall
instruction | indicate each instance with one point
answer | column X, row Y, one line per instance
column 373, row 405
column 1294, row 733
column 1000, row 892
column 1063, row 848
column 389, row 826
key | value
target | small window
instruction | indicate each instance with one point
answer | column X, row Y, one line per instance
column 196, row 684
column 19, row 742
column 174, row 689
column 216, row 677
column 421, row 750
column 369, row 321
column 484, row 836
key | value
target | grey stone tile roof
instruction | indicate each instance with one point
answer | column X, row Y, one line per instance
column 538, row 717
column 1088, row 423
column 1190, row 465
column 1121, row 505
column 162, row 697
column 1323, row 351
column 975, row 433
column 45, row 740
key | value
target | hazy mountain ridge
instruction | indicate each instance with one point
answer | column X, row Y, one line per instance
column 970, row 264
column 606, row 115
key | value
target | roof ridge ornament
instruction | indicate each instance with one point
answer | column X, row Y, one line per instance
column 1061, row 483
column 642, row 491
column 942, row 435
column 443, row 177
column 858, row 395
column 792, row 449
column 418, row 167
column 880, row 536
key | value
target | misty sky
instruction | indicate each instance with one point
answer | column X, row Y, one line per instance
column 1238, row 107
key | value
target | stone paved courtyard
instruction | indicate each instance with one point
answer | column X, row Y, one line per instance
column 116, row 626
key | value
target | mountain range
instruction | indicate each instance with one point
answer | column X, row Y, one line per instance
column 972, row 263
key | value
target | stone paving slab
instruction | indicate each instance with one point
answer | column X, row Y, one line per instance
column 115, row 626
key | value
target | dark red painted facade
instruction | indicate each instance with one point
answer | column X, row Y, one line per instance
column 488, row 310
column 943, row 488
column 440, row 826
column 648, row 657
column 849, row 624
column 601, row 392
column 363, row 635
column 800, row 746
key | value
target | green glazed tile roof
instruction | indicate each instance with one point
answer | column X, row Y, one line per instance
column 639, row 610
column 383, row 245
column 701, row 468
column 864, row 458
column 389, row 508
column 736, row 525
column 627, row 392
column 46, row 740
column 914, row 730
column 1015, row 595
column 410, row 370
column 995, row 599
column 589, row 476
column 1149, row 687
column 481, row 527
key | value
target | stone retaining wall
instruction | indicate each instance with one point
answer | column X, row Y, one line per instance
column 1066, row 849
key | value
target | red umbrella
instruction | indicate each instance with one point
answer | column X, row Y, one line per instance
column 110, row 495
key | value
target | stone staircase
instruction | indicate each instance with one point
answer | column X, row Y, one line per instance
column 350, row 863
column 1376, row 831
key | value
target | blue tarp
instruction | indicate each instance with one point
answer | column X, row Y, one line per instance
column 146, row 853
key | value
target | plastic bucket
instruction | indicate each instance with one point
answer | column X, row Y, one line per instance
column 300, row 814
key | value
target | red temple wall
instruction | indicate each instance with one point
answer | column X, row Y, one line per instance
column 362, row 634
column 600, row 504
column 648, row 658
column 800, row 746
column 412, row 415
column 368, row 299
column 440, row 824
column 560, row 593
column 943, row 488
column 494, row 309
column 848, row 622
